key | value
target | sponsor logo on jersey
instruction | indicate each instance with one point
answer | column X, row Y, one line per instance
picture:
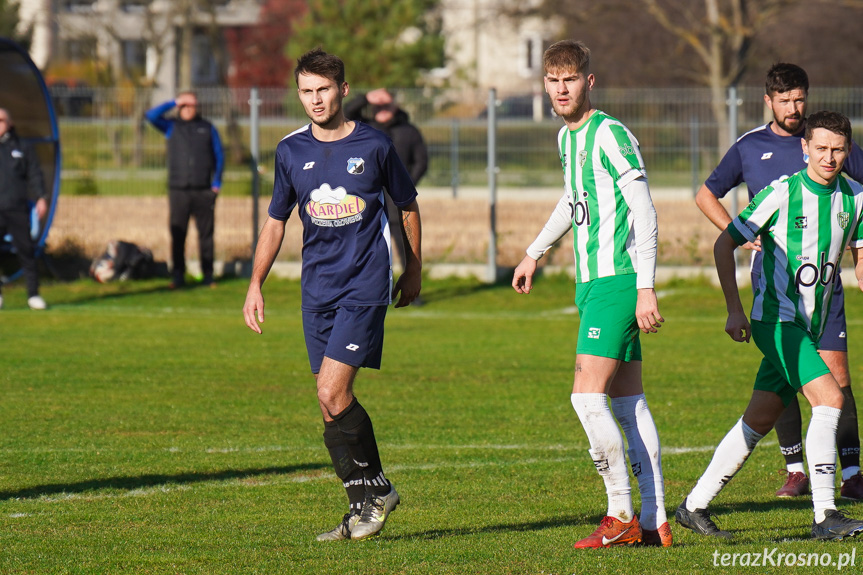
column 626, row 150
column 309, row 165
column 582, row 158
column 563, row 160
column 352, row 347
column 809, row 274
column 766, row 155
column 332, row 208
column 356, row 166
column 844, row 219
column 801, row 223
column 593, row 332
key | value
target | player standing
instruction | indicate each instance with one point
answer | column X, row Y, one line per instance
column 335, row 173
column 607, row 205
column 805, row 222
column 757, row 158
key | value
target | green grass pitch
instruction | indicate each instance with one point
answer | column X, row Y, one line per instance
column 149, row 431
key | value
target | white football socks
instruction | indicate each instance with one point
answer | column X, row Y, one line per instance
column 730, row 455
column 821, row 455
column 645, row 456
column 606, row 450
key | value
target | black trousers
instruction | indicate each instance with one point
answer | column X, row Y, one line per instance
column 17, row 224
column 184, row 204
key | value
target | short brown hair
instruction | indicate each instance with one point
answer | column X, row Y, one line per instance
column 567, row 55
column 833, row 121
column 318, row 63
column 783, row 77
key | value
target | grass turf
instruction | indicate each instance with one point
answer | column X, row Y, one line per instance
column 149, row 431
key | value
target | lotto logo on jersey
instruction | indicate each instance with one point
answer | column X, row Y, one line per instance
column 330, row 207
column 593, row 332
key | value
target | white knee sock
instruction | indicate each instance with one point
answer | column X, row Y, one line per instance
column 730, row 455
column 821, row 455
column 606, row 450
column 645, row 456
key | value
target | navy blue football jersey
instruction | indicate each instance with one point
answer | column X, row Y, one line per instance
column 761, row 156
column 338, row 190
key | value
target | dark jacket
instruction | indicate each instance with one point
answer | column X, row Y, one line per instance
column 195, row 156
column 406, row 137
column 20, row 174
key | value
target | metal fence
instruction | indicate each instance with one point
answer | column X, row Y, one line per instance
column 110, row 152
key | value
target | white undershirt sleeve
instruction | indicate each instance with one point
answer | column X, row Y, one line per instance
column 637, row 196
column 555, row 228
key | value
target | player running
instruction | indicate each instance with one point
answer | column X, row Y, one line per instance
column 757, row 158
column 607, row 205
column 805, row 223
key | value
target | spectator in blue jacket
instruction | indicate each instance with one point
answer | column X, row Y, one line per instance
column 195, row 164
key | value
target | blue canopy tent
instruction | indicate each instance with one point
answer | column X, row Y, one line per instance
column 24, row 94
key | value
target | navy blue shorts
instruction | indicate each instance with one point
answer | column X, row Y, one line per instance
column 835, row 328
column 350, row 335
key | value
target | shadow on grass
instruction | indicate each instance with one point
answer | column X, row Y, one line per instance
column 155, row 480
column 551, row 523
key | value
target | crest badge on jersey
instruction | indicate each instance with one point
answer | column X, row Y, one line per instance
column 356, row 166
column 844, row 219
column 582, row 158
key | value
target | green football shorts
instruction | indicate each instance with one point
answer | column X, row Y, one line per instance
column 791, row 358
column 608, row 326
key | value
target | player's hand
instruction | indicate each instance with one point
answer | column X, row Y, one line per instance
column 737, row 326
column 407, row 287
column 522, row 277
column 755, row 245
column 254, row 303
column 41, row 208
column 647, row 311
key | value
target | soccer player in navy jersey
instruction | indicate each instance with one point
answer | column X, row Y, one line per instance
column 759, row 157
column 335, row 173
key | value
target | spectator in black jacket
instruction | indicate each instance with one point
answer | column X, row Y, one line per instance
column 407, row 140
column 195, row 164
column 20, row 184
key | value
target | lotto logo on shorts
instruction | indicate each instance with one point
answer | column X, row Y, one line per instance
column 352, row 347
column 593, row 332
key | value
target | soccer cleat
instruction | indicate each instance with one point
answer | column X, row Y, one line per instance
column 342, row 531
column 836, row 526
column 657, row 537
column 612, row 533
column 852, row 488
column 796, row 485
column 376, row 509
column 36, row 302
column 699, row 521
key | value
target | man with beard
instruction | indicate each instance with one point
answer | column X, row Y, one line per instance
column 336, row 173
column 759, row 157
column 607, row 204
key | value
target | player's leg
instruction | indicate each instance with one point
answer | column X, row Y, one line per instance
column 833, row 348
column 790, row 436
column 645, row 454
column 357, row 341
column 179, row 208
column 605, row 339
column 317, row 328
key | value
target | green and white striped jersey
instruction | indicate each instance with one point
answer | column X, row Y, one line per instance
column 804, row 228
column 600, row 158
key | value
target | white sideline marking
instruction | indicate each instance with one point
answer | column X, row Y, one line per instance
column 253, row 482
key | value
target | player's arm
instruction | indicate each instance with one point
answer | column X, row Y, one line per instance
column 269, row 244
column 637, row 195
column 858, row 266
column 409, row 284
column 737, row 325
column 711, row 207
column 555, row 228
